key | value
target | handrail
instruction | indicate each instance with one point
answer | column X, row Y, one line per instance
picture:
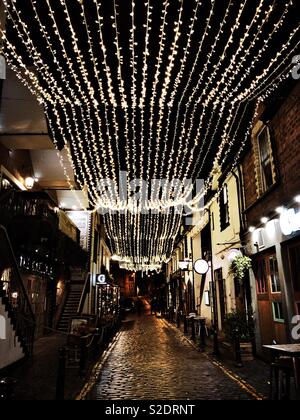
column 15, row 294
column 84, row 294
column 5, row 195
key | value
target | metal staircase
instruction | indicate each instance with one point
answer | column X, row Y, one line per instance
column 73, row 300
column 13, row 297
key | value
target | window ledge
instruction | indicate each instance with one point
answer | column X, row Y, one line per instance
column 262, row 197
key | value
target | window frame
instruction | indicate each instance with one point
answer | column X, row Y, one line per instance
column 272, row 271
column 275, row 318
column 262, row 187
column 224, row 209
column 264, row 278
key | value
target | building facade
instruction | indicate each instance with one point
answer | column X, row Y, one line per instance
column 271, row 171
column 216, row 238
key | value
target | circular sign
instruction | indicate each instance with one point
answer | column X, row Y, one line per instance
column 201, row 267
column 101, row 279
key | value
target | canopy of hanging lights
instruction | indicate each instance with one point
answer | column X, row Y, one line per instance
column 159, row 90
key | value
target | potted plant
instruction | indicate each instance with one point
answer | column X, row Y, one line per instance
column 239, row 326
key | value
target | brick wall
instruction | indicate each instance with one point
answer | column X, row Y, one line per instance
column 285, row 131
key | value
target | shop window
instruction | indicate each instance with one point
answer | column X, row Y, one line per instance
column 262, row 277
column 224, row 208
column 278, row 312
column 265, row 168
column 274, row 275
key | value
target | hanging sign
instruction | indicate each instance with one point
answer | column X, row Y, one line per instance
column 101, row 279
column 2, row 68
column 290, row 222
column 2, row 328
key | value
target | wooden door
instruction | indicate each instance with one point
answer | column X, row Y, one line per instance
column 270, row 302
column 221, row 297
column 294, row 260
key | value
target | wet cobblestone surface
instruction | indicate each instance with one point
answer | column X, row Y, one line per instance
column 151, row 362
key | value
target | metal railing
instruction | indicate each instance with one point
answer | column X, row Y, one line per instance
column 14, row 295
column 85, row 292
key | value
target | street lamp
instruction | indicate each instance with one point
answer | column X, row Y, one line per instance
column 202, row 267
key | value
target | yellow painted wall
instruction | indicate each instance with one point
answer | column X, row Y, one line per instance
column 230, row 235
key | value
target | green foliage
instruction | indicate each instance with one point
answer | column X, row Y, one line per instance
column 239, row 324
column 240, row 266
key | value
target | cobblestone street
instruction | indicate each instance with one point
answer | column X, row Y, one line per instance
column 150, row 361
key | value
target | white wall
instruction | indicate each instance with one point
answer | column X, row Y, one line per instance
column 10, row 349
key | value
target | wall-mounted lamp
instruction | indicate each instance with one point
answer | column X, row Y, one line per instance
column 184, row 265
column 29, row 183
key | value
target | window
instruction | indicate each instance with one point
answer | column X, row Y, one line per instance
column 260, row 240
column 224, row 208
column 213, row 221
column 278, row 312
column 262, row 277
column 274, row 274
column 266, row 170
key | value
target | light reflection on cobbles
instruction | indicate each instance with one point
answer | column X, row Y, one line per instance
column 150, row 362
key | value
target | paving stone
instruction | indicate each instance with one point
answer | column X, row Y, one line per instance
column 150, row 361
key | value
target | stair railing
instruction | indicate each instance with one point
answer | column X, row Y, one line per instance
column 14, row 295
column 85, row 292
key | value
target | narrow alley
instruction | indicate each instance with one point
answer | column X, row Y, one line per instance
column 151, row 361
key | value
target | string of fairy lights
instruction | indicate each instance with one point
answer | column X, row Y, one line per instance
column 161, row 92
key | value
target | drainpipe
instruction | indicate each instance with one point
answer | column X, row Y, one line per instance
column 239, row 186
column 241, row 202
column 193, row 273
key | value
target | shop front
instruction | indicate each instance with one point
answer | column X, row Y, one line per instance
column 275, row 251
column 108, row 302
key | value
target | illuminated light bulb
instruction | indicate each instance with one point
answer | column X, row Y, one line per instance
column 29, row 183
column 92, row 127
column 297, row 199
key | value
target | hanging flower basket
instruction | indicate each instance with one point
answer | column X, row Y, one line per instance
column 240, row 266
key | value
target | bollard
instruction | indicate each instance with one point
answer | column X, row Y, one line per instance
column 186, row 328
column 193, row 337
column 83, row 356
column 237, row 346
column 202, row 335
column 178, row 320
column 7, row 389
column 61, row 374
column 216, row 350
